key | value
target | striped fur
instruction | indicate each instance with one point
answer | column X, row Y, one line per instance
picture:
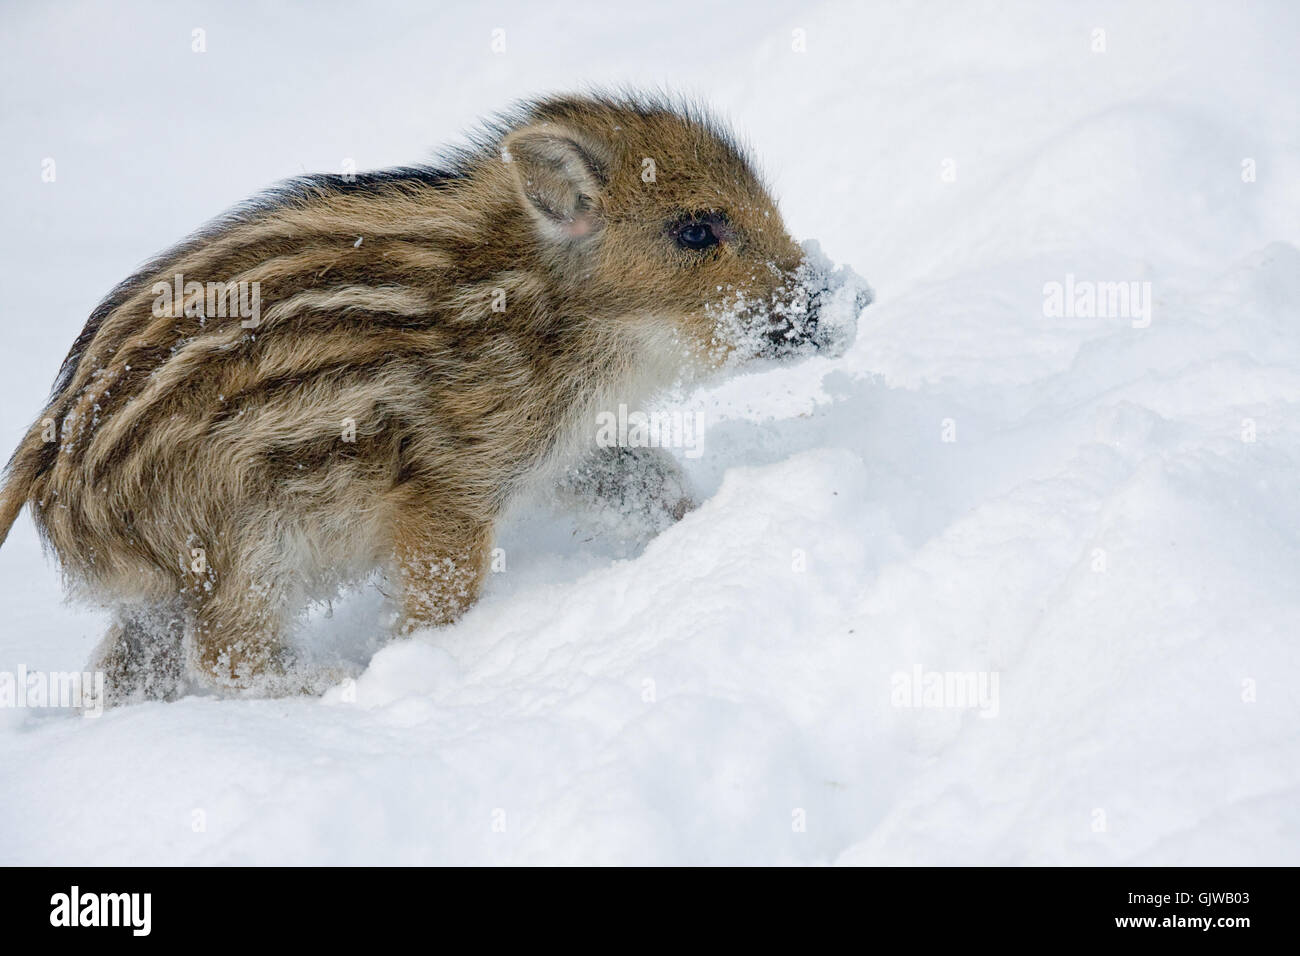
column 204, row 471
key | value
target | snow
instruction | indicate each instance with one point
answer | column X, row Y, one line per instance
column 1096, row 516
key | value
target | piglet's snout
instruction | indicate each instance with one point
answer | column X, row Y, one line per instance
column 817, row 309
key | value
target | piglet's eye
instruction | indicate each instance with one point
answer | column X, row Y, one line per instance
column 696, row 235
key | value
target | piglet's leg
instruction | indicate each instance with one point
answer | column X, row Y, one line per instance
column 439, row 567
column 642, row 486
column 141, row 657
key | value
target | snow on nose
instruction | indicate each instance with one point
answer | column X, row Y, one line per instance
column 832, row 300
column 813, row 311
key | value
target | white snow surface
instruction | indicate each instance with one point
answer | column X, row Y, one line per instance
column 1112, row 530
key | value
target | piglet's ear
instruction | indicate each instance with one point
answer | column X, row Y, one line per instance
column 560, row 176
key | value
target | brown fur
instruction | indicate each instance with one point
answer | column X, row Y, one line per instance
column 199, row 469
